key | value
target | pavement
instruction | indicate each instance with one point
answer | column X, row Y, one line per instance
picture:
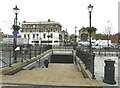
column 55, row 74
column 99, row 69
column 62, row 74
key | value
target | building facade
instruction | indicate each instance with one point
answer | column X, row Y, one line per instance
column 44, row 32
column 83, row 34
column 1, row 36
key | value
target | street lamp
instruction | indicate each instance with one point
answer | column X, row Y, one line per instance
column 65, row 38
column 15, row 32
column 90, row 8
column 75, row 37
column 48, row 37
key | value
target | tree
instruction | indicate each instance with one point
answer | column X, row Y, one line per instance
column 86, row 31
column 92, row 31
column 118, row 37
column 100, row 36
column 72, row 37
column 108, row 31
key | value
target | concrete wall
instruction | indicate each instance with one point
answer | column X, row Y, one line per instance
column 55, row 56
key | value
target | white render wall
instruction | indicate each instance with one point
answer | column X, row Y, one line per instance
column 40, row 37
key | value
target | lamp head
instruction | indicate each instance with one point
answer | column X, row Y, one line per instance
column 90, row 8
column 16, row 10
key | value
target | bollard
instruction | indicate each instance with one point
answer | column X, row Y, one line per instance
column 109, row 72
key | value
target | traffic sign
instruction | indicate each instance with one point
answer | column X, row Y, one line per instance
column 15, row 33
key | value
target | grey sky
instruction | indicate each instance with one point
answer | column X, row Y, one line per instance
column 69, row 13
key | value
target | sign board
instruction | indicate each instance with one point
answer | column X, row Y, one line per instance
column 15, row 33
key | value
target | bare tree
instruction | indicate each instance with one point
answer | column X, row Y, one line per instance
column 108, row 30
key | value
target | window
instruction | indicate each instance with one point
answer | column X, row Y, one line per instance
column 28, row 36
column 60, row 36
column 55, row 41
column 46, row 41
column 37, row 30
column 33, row 35
column 26, row 30
column 51, row 30
column 37, row 36
column 24, row 35
column 30, row 30
column 35, row 41
column 34, row 26
column 44, row 35
column 51, row 35
column 33, row 30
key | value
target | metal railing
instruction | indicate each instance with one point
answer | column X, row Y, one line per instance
column 26, row 52
column 88, row 60
column 63, row 47
column 107, row 51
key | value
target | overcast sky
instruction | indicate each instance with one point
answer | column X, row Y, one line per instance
column 69, row 13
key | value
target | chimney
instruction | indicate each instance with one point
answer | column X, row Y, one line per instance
column 48, row 20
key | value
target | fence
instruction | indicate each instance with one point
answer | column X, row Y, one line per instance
column 26, row 52
column 107, row 51
column 63, row 47
column 103, row 51
column 88, row 60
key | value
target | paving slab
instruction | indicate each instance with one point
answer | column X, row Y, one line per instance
column 55, row 74
column 100, row 67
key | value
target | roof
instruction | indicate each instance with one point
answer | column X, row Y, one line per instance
column 42, row 22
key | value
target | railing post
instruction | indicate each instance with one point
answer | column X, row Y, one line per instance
column 117, row 52
column 39, row 49
column 93, row 58
column 112, row 51
column 99, row 53
column 35, row 49
column 105, row 52
column 30, row 51
column 10, row 59
column 22, row 52
column 39, row 62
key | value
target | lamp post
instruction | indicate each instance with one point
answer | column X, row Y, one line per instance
column 75, row 37
column 15, row 32
column 65, row 38
column 90, row 8
column 40, row 42
column 48, row 37
column 34, row 36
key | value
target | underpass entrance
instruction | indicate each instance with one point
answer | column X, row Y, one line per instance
column 56, row 58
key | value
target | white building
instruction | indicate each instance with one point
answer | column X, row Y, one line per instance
column 44, row 32
column 97, row 43
column 103, row 43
